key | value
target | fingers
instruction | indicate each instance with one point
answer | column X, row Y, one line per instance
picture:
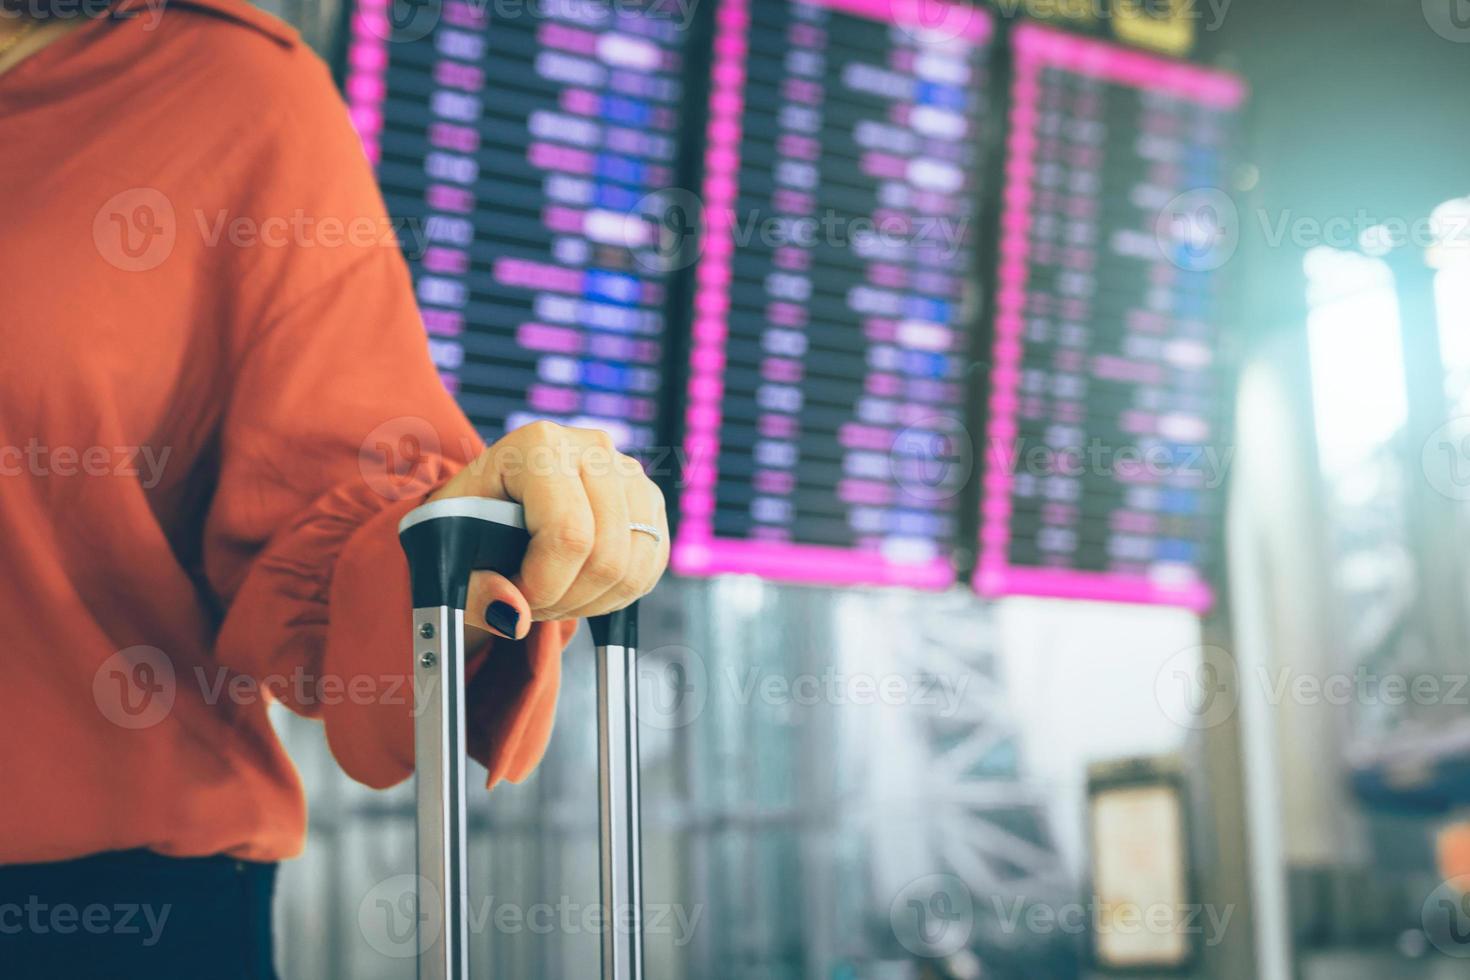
column 580, row 495
column 647, row 555
column 563, row 534
column 607, row 566
column 511, row 613
column 651, row 555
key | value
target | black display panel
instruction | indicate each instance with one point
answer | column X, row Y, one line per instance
column 516, row 146
column 1103, row 452
column 830, row 331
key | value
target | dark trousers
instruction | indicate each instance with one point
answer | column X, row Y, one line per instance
column 136, row 915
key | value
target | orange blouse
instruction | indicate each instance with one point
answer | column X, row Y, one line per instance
column 216, row 402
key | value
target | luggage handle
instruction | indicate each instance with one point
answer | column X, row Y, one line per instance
column 445, row 541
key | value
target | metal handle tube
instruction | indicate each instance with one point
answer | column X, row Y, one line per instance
column 444, row 542
column 618, row 816
column 616, row 636
column 439, row 749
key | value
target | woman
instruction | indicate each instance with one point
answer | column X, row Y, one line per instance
column 216, row 403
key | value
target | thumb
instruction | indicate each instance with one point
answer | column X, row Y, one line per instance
column 496, row 605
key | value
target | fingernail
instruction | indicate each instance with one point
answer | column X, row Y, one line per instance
column 503, row 618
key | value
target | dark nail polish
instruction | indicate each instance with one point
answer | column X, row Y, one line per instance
column 503, row 618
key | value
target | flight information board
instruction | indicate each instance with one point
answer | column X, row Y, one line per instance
column 1102, row 451
column 514, row 147
column 830, row 326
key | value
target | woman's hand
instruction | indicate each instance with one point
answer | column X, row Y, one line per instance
column 580, row 495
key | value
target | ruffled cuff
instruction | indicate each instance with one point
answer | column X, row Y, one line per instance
column 511, row 685
column 332, row 601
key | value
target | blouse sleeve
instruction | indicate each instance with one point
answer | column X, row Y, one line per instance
column 337, row 424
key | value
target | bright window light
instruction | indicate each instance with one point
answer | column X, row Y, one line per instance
column 1450, row 256
column 1449, row 227
column 1356, row 353
column 1452, row 310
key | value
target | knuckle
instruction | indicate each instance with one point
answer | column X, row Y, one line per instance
column 629, row 589
column 606, row 570
column 542, row 430
column 643, row 576
column 587, row 436
column 573, row 538
column 628, row 466
column 656, row 493
column 635, row 588
column 598, row 454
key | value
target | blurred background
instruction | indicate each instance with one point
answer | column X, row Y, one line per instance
column 1062, row 404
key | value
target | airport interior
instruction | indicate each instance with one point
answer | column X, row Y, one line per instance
column 1066, row 444
column 1215, row 726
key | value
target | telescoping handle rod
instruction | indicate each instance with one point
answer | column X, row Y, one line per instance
column 616, row 636
column 445, row 541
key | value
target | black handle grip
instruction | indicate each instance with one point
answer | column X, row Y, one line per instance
column 447, row 540
column 616, row 629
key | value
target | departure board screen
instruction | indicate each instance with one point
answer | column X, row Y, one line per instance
column 1103, row 456
column 830, row 331
column 514, row 144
